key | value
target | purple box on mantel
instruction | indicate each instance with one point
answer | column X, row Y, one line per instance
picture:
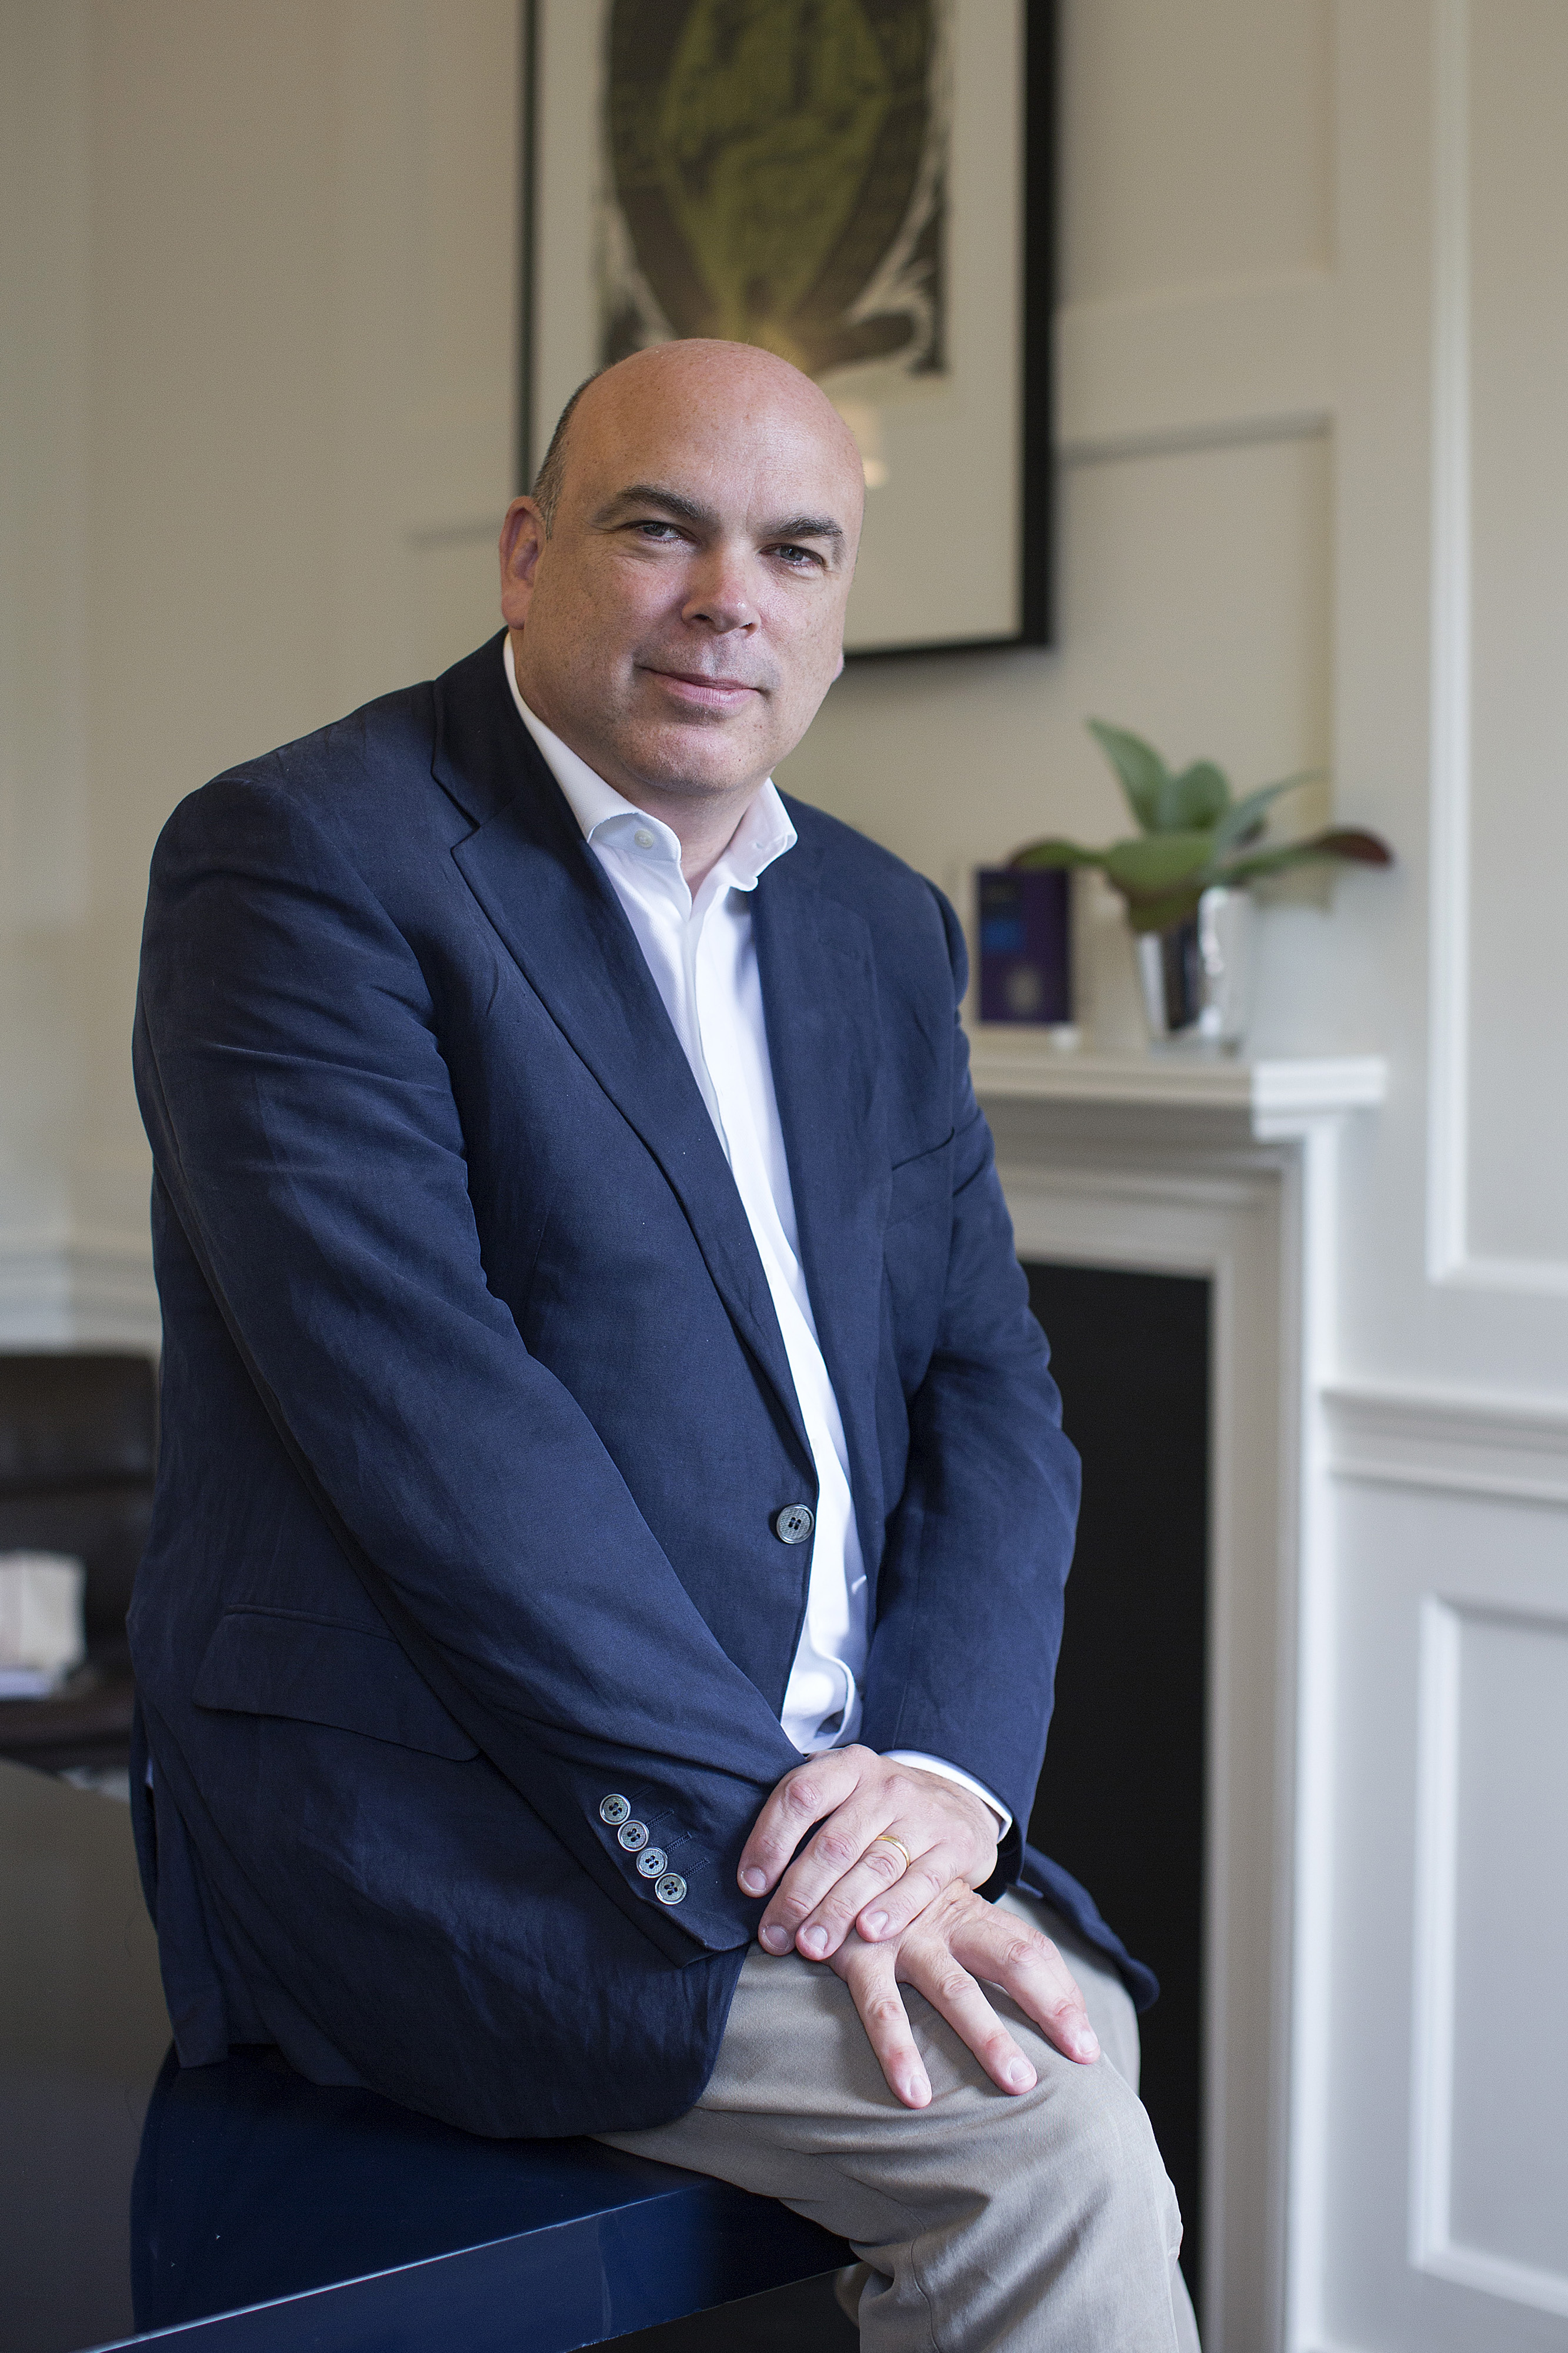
column 1026, row 969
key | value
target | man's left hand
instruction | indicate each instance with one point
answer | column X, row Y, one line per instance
column 891, row 1839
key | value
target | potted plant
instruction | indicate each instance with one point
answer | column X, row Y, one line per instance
column 1183, row 877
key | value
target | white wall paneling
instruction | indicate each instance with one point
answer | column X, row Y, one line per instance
column 1445, row 2213
column 1499, row 1120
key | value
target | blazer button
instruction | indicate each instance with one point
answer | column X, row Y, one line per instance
column 614, row 1810
column 631, row 1835
column 652, row 1861
column 793, row 1524
column 671, row 1888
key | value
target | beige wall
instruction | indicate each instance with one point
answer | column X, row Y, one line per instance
column 254, row 430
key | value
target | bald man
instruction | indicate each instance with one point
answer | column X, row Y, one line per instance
column 597, row 1643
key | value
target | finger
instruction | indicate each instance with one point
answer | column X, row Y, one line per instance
column 1028, row 1966
column 909, row 1895
column 839, row 1848
column 805, row 1796
column 949, row 1988
column 869, row 1977
column 883, row 1867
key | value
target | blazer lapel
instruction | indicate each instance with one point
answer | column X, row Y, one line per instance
column 819, row 990
column 544, row 890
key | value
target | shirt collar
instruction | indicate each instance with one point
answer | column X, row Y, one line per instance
column 606, row 818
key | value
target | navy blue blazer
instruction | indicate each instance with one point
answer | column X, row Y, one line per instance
column 475, row 1418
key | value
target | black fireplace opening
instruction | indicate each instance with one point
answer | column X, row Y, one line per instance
column 1120, row 1800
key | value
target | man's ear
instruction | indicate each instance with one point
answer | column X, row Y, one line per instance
column 521, row 545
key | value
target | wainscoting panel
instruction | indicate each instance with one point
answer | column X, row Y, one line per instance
column 1445, row 2212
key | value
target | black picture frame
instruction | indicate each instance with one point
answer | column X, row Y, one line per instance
column 1034, row 279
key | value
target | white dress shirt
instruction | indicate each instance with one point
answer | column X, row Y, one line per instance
column 703, row 960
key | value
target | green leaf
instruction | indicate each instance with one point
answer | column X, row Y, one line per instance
column 1143, row 774
column 1198, row 798
column 1156, row 862
column 1246, row 815
column 1055, row 852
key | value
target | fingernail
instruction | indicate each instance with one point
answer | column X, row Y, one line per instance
column 776, row 1939
column 874, row 1923
column 916, row 2091
column 815, row 1940
column 754, row 1881
column 1086, row 2044
column 1020, row 2074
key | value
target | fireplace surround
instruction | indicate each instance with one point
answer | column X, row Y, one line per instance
column 1227, row 1170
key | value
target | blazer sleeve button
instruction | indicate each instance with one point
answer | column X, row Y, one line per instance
column 793, row 1524
column 614, row 1809
column 633, row 1835
column 653, row 1862
column 671, row 1888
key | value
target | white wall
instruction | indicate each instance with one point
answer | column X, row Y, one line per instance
column 256, row 429
column 255, row 421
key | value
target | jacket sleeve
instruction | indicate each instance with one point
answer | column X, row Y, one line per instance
column 969, row 1602
column 304, row 1124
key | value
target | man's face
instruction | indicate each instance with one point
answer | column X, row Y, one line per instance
column 685, row 618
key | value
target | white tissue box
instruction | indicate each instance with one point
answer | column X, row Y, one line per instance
column 41, row 1633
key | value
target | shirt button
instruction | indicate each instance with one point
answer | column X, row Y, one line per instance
column 614, row 1810
column 643, row 839
column 671, row 1888
column 652, row 1861
column 631, row 1835
column 793, row 1524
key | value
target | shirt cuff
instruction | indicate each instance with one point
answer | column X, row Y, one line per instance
column 950, row 1773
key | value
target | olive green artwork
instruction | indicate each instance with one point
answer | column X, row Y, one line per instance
column 775, row 172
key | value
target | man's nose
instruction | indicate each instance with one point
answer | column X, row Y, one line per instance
column 722, row 594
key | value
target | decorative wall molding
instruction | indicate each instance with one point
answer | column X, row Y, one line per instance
column 1450, row 1259
column 1449, row 1441
column 1433, row 2246
column 1195, row 367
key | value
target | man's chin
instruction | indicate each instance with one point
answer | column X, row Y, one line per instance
column 701, row 761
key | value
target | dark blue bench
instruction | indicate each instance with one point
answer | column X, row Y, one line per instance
column 242, row 2208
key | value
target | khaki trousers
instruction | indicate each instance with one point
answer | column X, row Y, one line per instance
column 988, row 2222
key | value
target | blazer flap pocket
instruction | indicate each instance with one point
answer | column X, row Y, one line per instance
column 272, row 1662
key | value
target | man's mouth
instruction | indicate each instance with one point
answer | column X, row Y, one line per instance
column 698, row 691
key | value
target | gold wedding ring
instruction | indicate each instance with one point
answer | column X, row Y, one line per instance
column 886, row 1838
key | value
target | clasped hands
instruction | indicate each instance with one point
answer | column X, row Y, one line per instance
column 884, row 1893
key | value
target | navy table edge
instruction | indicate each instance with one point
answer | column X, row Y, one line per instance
column 240, row 2207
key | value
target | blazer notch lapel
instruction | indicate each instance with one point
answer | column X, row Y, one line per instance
column 544, row 894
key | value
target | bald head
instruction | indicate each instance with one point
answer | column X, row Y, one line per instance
column 707, row 368
column 675, row 584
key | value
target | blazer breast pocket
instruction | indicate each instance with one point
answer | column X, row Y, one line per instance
column 318, row 1671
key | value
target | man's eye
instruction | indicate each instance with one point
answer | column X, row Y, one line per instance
column 798, row 558
column 657, row 531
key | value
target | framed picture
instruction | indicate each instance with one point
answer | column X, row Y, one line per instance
column 864, row 185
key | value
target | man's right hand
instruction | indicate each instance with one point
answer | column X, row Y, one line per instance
column 958, row 1941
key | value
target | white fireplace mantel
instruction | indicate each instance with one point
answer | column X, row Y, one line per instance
column 1184, row 1163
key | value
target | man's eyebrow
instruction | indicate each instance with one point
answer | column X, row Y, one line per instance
column 652, row 494
column 692, row 510
column 806, row 527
